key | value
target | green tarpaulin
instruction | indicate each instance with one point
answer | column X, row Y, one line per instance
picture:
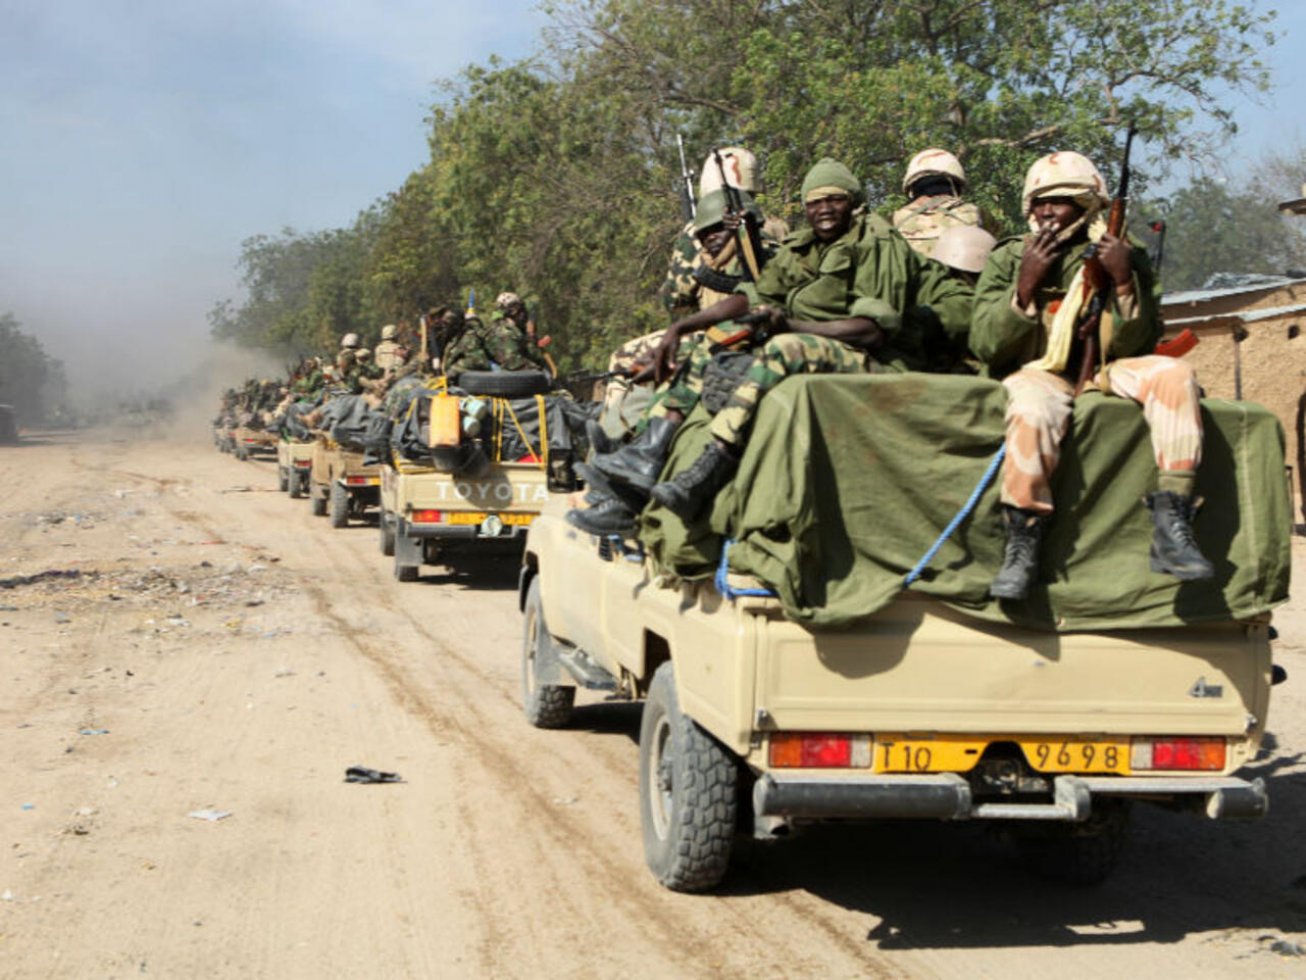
column 848, row 480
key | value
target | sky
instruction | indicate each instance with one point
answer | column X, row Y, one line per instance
column 143, row 140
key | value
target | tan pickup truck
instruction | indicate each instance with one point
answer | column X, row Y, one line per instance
column 340, row 486
column 755, row 724
column 294, row 462
column 425, row 511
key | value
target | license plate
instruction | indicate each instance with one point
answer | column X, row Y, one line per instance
column 1076, row 755
column 478, row 517
column 960, row 753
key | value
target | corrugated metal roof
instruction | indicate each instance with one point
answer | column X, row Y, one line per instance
column 1245, row 316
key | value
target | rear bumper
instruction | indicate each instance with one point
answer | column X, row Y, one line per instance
column 947, row 796
column 463, row 532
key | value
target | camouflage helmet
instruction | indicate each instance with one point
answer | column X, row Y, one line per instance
column 505, row 301
column 362, row 354
column 712, row 206
column 964, row 247
column 389, row 331
column 349, row 341
column 740, row 167
column 933, row 162
column 1065, row 174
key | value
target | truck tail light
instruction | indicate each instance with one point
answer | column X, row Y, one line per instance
column 819, row 750
column 356, row 481
column 1174, row 754
column 303, row 464
column 426, row 516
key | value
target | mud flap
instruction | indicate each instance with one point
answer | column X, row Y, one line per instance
column 408, row 549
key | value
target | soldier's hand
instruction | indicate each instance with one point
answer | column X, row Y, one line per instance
column 1041, row 251
column 1113, row 253
column 664, row 355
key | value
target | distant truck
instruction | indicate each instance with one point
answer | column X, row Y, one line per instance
column 755, row 724
column 476, row 466
column 294, row 465
column 248, row 443
column 341, row 486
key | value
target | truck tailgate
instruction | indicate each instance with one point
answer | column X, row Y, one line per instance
column 966, row 676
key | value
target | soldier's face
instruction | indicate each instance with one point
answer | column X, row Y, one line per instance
column 714, row 239
column 829, row 216
column 1056, row 213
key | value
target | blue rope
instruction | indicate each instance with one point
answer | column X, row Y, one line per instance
column 723, row 585
column 962, row 514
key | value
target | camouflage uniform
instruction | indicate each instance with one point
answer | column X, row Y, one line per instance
column 500, row 343
column 389, row 354
column 1008, row 339
column 923, row 220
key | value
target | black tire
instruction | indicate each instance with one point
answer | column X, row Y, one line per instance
column 318, row 500
column 688, row 786
column 242, row 453
column 546, row 705
column 505, row 384
column 298, row 484
column 283, row 479
column 338, row 505
column 1078, row 854
column 387, row 535
column 406, row 573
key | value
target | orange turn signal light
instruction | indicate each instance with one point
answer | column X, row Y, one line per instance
column 426, row 516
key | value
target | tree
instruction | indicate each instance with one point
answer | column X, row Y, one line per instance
column 30, row 380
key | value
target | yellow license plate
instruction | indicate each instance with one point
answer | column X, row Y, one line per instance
column 939, row 753
column 960, row 753
column 1076, row 754
column 478, row 517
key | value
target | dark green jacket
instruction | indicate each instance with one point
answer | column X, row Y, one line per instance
column 1004, row 338
column 870, row 271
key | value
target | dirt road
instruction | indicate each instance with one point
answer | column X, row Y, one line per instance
column 178, row 637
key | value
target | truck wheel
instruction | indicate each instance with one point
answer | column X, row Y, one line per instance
column 546, row 705
column 1078, row 854
column 406, row 573
column 318, row 499
column 687, row 793
column 283, row 479
column 387, row 535
column 242, row 453
column 297, row 481
column 339, row 498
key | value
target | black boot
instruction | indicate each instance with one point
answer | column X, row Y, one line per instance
column 600, row 441
column 686, row 493
column 1174, row 549
column 601, row 488
column 639, row 462
column 609, row 516
column 1020, row 560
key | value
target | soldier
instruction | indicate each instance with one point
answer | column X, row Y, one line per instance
column 683, row 290
column 934, row 182
column 478, row 346
column 963, row 250
column 389, row 353
column 834, row 297
column 1025, row 330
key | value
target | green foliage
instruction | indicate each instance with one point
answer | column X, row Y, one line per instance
column 30, row 380
column 556, row 178
column 1211, row 229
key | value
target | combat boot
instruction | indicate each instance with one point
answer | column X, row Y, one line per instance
column 609, row 516
column 1174, row 548
column 1020, row 559
column 599, row 440
column 639, row 462
column 689, row 491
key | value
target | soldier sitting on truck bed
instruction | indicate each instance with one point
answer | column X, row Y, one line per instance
column 833, row 300
column 1026, row 331
column 935, row 182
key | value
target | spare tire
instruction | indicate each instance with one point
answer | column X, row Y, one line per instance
column 504, row 384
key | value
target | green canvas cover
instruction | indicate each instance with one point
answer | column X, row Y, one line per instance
column 848, row 480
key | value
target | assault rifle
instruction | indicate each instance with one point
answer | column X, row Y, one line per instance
column 750, row 330
column 1097, row 284
column 750, row 236
column 685, row 187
